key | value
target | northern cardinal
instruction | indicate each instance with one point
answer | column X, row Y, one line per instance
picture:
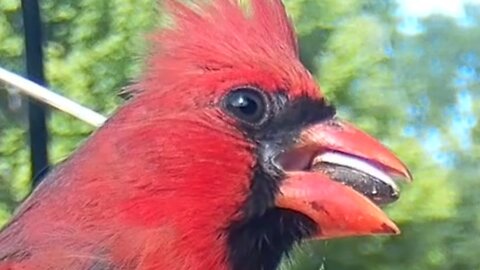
column 227, row 155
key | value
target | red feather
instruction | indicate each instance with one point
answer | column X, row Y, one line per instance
column 156, row 186
column 211, row 44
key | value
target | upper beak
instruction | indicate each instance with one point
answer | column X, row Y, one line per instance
column 339, row 208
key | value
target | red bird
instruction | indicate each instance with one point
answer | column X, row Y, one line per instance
column 227, row 155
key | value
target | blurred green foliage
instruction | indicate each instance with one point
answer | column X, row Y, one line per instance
column 418, row 92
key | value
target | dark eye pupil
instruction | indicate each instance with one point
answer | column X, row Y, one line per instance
column 246, row 104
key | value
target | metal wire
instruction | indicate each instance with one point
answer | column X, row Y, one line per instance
column 55, row 100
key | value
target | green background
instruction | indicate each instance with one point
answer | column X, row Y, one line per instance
column 419, row 93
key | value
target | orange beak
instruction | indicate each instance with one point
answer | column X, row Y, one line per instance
column 340, row 204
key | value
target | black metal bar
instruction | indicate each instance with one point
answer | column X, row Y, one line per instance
column 35, row 72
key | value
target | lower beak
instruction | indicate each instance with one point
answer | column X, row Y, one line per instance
column 339, row 203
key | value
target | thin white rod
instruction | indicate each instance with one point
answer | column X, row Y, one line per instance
column 53, row 99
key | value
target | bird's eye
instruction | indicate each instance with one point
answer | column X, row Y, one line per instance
column 247, row 104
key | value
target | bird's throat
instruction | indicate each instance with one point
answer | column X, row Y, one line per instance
column 261, row 242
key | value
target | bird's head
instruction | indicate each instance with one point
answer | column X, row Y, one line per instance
column 236, row 139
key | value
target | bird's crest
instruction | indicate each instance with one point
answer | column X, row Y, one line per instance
column 220, row 34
